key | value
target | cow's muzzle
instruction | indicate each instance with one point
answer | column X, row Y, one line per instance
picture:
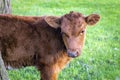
column 73, row 54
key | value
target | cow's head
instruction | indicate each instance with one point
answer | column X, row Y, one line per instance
column 73, row 29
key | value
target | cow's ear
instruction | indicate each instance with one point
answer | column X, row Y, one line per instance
column 53, row 21
column 92, row 19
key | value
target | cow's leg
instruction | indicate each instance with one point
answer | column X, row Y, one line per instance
column 49, row 73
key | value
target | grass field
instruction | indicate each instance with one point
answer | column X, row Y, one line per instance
column 100, row 59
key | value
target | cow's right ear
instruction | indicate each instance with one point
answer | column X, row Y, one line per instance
column 53, row 21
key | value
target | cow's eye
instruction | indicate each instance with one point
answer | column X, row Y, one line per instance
column 64, row 34
column 82, row 32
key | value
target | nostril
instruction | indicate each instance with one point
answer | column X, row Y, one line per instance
column 77, row 53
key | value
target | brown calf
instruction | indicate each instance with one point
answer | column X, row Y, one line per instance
column 48, row 42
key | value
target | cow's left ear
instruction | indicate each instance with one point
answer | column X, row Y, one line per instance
column 53, row 21
column 92, row 19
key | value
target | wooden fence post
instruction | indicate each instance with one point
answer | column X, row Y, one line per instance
column 3, row 72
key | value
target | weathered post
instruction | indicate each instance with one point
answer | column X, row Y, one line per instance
column 3, row 72
column 5, row 7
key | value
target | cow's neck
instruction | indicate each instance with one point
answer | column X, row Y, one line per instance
column 58, row 49
column 53, row 34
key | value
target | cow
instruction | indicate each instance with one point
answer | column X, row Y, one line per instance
column 46, row 42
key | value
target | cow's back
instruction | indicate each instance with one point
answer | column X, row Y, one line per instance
column 16, row 40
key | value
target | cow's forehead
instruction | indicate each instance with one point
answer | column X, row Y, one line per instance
column 72, row 22
column 73, row 16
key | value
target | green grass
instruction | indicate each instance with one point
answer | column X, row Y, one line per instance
column 100, row 59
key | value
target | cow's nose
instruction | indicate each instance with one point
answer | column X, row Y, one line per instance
column 72, row 54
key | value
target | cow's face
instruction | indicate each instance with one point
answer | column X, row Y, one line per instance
column 73, row 29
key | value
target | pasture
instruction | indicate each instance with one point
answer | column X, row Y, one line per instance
column 100, row 59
